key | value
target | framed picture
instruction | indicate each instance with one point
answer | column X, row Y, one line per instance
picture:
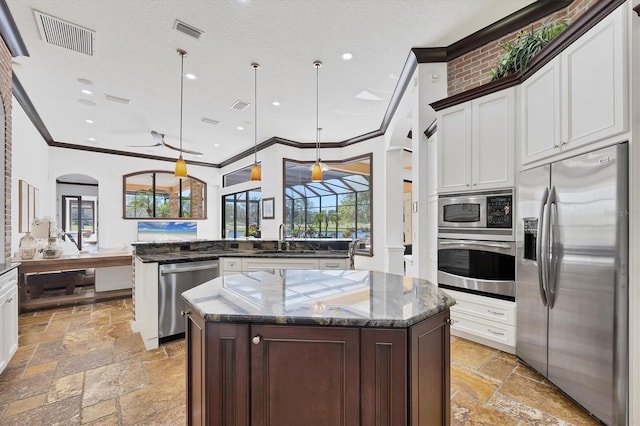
column 267, row 208
column 23, row 206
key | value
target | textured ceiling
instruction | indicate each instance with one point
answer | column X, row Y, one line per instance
column 135, row 58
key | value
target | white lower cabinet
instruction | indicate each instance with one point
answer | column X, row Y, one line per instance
column 234, row 265
column 489, row 321
column 8, row 317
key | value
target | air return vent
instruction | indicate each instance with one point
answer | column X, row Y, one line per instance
column 187, row 29
column 65, row 34
column 210, row 121
column 240, row 105
column 117, row 99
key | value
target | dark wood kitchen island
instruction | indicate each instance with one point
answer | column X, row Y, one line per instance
column 300, row 347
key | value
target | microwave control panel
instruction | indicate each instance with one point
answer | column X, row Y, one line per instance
column 499, row 211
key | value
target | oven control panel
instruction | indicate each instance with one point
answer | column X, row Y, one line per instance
column 500, row 211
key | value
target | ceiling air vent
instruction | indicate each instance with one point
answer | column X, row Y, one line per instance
column 210, row 121
column 188, row 29
column 65, row 34
column 240, row 105
column 117, row 99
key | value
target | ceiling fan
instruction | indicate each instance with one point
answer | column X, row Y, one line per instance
column 159, row 138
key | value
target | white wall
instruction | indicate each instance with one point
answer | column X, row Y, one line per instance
column 40, row 165
column 30, row 162
column 271, row 185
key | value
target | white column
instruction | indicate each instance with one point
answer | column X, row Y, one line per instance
column 393, row 202
column 431, row 86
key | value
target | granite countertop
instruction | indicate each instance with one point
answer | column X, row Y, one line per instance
column 190, row 256
column 329, row 297
column 6, row 267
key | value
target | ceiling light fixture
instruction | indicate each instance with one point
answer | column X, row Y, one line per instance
column 318, row 167
column 256, row 172
column 190, row 76
column 275, row 103
column 86, row 92
column 347, row 56
column 88, row 120
column 181, row 165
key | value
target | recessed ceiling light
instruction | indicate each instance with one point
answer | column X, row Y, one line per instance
column 240, row 128
column 216, row 145
column 190, row 76
column 275, row 103
column 91, row 139
column 347, row 56
column 87, row 92
column 85, row 81
column 88, row 121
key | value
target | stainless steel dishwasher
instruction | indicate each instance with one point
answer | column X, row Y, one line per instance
column 176, row 278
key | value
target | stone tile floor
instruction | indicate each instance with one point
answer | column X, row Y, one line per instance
column 84, row 365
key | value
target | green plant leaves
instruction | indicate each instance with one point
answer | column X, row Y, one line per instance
column 520, row 50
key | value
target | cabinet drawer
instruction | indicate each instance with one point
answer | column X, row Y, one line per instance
column 490, row 330
column 332, row 264
column 258, row 264
column 8, row 279
column 231, row 264
column 494, row 310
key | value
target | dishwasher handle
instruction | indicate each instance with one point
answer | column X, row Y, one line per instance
column 188, row 269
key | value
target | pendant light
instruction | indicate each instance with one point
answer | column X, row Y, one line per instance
column 181, row 165
column 256, row 173
column 318, row 167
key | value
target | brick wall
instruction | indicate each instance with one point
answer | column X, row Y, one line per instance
column 5, row 94
column 472, row 69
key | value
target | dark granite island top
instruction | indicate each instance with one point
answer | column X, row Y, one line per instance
column 333, row 297
column 334, row 347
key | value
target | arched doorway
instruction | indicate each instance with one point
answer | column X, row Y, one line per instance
column 77, row 210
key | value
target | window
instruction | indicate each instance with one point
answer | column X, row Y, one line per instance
column 241, row 214
column 161, row 195
column 239, row 176
column 337, row 207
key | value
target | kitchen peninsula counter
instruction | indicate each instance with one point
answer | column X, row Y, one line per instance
column 317, row 347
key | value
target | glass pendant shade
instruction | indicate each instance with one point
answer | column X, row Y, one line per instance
column 256, row 173
column 181, row 168
column 316, row 172
column 181, row 165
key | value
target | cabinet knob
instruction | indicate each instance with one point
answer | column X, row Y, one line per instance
column 450, row 321
column 256, row 340
column 183, row 313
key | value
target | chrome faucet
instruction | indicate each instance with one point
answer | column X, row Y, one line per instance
column 281, row 236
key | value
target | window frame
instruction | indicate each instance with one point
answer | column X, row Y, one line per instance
column 153, row 174
column 369, row 156
column 247, row 202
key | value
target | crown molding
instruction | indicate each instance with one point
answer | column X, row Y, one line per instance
column 416, row 56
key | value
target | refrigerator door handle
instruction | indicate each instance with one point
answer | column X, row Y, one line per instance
column 539, row 247
column 553, row 249
column 545, row 251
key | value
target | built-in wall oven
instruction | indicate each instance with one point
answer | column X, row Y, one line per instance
column 476, row 247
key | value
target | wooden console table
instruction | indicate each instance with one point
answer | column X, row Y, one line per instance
column 66, row 263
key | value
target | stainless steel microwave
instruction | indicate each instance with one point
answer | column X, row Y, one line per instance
column 477, row 216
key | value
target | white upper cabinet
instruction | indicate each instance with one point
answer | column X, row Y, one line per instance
column 493, row 140
column 594, row 88
column 476, row 142
column 454, row 148
column 540, row 111
column 580, row 97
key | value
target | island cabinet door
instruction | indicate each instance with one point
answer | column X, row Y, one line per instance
column 429, row 372
column 217, row 373
column 383, row 369
column 304, row 375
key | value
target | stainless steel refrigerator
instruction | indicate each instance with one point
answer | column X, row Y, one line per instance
column 572, row 278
